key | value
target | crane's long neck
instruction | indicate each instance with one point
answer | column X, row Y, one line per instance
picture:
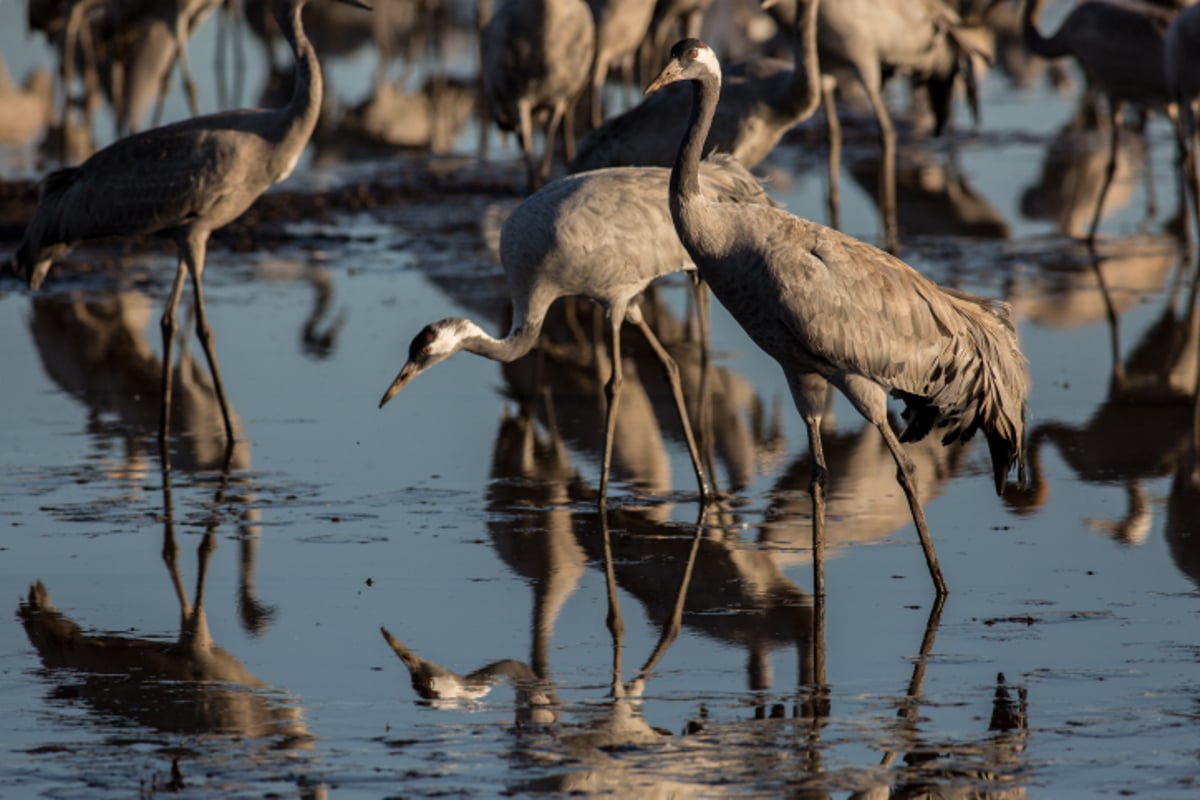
column 806, row 75
column 685, row 175
column 1039, row 45
column 519, row 341
column 304, row 108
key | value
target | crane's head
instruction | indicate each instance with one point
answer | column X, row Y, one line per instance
column 436, row 342
column 691, row 59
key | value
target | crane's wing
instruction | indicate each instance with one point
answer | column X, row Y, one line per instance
column 853, row 306
column 155, row 180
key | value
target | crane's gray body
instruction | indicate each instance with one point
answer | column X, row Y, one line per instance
column 604, row 234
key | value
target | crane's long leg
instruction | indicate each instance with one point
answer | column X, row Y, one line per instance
column 706, row 444
column 671, row 369
column 1109, row 170
column 164, row 88
column 906, row 476
column 887, row 165
column 599, row 74
column 816, row 488
column 833, row 130
column 568, row 124
column 612, row 394
column 169, row 326
column 194, row 254
column 808, row 393
column 525, row 138
column 182, row 32
column 552, row 125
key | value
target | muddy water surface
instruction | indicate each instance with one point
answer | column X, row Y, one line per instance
column 214, row 628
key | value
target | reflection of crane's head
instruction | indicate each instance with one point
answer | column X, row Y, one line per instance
column 1028, row 496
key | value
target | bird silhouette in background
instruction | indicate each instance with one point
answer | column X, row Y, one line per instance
column 535, row 58
column 185, row 180
column 1120, row 48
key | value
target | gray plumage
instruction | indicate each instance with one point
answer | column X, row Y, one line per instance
column 866, row 39
column 183, row 179
column 605, row 235
column 535, row 58
column 764, row 98
column 621, row 26
column 1120, row 48
column 830, row 308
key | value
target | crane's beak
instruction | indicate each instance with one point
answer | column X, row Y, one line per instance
column 765, row 4
column 670, row 74
column 407, row 373
column 359, row 3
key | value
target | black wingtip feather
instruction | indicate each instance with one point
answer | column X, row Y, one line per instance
column 1003, row 454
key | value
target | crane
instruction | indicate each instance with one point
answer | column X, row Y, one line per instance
column 606, row 235
column 765, row 98
column 536, row 57
column 1120, row 48
column 833, row 310
column 184, row 180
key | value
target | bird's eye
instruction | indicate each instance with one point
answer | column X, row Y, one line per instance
column 425, row 350
column 694, row 54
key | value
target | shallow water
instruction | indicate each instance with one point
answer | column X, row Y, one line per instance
column 461, row 519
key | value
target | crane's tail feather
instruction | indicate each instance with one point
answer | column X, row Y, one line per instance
column 981, row 382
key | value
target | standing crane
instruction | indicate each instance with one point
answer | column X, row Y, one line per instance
column 1120, row 48
column 835, row 310
column 606, row 235
column 620, row 27
column 535, row 57
column 185, row 180
column 765, row 98
column 869, row 39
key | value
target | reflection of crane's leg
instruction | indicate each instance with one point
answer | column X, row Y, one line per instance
column 1117, row 378
column 671, row 369
column 906, row 476
column 194, row 253
column 1110, row 170
column 1148, row 171
column 169, row 326
column 612, row 394
column 170, row 550
column 203, row 555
